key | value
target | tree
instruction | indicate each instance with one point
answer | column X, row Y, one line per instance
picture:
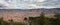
column 1, row 20
column 55, row 21
column 39, row 20
column 43, row 20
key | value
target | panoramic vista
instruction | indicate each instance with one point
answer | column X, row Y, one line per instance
column 29, row 12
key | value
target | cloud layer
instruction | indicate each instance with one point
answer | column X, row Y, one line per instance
column 30, row 4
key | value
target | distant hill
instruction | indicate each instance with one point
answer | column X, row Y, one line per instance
column 52, row 10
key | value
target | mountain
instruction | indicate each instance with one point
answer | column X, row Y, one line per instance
column 52, row 10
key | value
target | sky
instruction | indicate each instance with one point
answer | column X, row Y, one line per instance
column 29, row 4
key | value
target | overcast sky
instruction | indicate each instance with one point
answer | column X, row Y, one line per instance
column 29, row 4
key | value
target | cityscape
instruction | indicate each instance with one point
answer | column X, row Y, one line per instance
column 29, row 12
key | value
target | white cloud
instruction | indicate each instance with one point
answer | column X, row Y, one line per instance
column 40, row 0
column 30, row 4
column 4, row 3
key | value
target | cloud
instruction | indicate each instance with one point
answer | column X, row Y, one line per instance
column 40, row 0
column 30, row 4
